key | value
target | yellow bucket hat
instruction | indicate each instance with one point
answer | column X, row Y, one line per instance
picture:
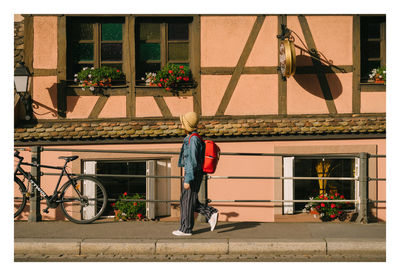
column 189, row 121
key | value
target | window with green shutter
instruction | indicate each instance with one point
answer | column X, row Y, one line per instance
column 94, row 42
column 160, row 41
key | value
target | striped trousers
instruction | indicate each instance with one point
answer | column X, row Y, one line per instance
column 190, row 204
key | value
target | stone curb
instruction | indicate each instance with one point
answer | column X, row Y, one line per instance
column 355, row 246
column 273, row 246
column 192, row 246
column 187, row 246
column 117, row 246
column 47, row 246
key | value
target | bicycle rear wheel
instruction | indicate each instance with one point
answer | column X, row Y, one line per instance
column 83, row 199
column 19, row 196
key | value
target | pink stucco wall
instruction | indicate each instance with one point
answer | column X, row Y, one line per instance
column 45, row 97
column 45, row 42
column 223, row 39
column 373, row 102
column 228, row 189
column 114, row 107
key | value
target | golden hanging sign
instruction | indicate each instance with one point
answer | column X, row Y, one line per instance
column 287, row 58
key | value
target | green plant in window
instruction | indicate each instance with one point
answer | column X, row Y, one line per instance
column 173, row 76
column 129, row 210
column 97, row 77
column 378, row 75
column 328, row 210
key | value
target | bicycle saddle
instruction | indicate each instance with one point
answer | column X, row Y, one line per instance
column 69, row 158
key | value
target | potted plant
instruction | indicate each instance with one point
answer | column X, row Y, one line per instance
column 378, row 75
column 173, row 77
column 125, row 209
column 328, row 211
column 150, row 79
column 101, row 77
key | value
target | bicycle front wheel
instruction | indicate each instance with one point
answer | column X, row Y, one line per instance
column 19, row 196
column 83, row 199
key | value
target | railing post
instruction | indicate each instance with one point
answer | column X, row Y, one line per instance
column 203, row 197
column 34, row 200
column 363, row 189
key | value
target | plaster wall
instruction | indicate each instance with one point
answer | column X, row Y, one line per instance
column 230, row 189
column 45, row 42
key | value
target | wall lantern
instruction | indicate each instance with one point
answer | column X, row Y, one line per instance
column 21, row 86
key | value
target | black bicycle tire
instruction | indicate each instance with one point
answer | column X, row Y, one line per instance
column 23, row 190
column 102, row 209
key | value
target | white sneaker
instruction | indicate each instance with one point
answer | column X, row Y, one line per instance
column 180, row 233
column 213, row 220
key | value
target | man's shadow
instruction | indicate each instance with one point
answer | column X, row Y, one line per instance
column 234, row 226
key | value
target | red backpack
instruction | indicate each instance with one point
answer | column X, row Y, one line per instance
column 211, row 154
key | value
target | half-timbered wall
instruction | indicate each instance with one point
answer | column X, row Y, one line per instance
column 238, row 74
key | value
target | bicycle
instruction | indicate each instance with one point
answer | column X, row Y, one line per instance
column 83, row 199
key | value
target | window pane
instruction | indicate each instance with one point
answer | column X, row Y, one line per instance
column 82, row 31
column 373, row 30
column 373, row 49
column 178, row 51
column 83, row 52
column 149, row 51
column 149, row 31
column 111, row 51
column 178, row 31
column 111, row 31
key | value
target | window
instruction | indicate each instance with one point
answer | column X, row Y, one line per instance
column 149, row 188
column 316, row 167
column 116, row 186
column 160, row 41
column 94, row 42
column 373, row 44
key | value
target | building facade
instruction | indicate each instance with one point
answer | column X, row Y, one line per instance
column 328, row 106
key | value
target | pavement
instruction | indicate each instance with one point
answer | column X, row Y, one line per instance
column 144, row 239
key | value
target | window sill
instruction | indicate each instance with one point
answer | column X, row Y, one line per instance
column 143, row 90
column 115, row 90
column 373, row 87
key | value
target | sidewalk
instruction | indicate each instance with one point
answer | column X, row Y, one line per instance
column 152, row 238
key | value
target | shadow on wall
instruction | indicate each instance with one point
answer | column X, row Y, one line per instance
column 310, row 82
column 71, row 101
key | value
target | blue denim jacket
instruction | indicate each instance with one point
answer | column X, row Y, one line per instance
column 191, row 157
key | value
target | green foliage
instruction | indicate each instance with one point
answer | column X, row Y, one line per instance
column 128, row 210
column 378, row 73
column 172, row 76
column 99, row 77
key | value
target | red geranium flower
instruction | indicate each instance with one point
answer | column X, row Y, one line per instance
column 322, row 204
column 140, row 216
column 135, row 204
column 125, row 194
column 333, row 205
column 342, row 196
column 332, row 216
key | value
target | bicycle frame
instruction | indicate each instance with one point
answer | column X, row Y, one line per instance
column 31, row 179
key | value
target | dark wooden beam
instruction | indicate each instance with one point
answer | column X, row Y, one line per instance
column 356, row 96
column 98, row 107
column 240, row 65
column 163, row 106
column 282, row 84
column 318, row 66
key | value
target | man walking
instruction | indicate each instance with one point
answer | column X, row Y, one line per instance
column 192, row 158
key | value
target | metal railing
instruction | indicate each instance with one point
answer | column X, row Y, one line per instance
column 361, row 200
